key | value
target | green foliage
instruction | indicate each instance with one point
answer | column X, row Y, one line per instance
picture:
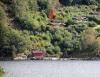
column 98, row 1
column 1, row 72
column 2, row 17
column 13, row 40
column 89, row 33
column 98, row 9
column 31, row 17
column 42, row 4
column 79, row 2
column 95, row 19
column 91, row 45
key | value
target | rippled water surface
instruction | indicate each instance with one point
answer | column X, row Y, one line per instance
column 51, row 68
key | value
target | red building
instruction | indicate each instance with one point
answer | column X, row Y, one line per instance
column 97, row 13
column 37, row 55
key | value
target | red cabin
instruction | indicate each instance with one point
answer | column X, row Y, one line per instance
column 37, row 55
column 97, row 13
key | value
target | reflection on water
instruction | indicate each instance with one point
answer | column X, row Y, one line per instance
column 51, row 68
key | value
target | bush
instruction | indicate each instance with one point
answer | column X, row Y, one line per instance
column 42, row 4
column 98, row 9
column 57, row 50
column 1, row 71
column 14, row 41
column 7, row 1
column 96, row 19
column 2, row 17
column 91, row 46
column 92, row 24
column 79, row 2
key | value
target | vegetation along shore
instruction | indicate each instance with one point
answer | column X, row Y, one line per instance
column 49, row 28
column 1, row 72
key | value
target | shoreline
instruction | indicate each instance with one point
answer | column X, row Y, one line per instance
column 49, row 59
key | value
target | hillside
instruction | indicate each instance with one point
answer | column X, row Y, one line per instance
column 24, row 27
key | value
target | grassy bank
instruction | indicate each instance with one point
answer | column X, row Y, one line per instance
column 1, row 72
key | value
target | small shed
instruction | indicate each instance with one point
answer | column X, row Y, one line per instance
column 37, row 54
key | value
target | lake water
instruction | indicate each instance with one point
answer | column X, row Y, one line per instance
column 51, row 68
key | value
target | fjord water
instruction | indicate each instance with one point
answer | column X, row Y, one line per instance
column 51, row 68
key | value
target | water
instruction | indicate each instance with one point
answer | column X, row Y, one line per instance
column 51, row 68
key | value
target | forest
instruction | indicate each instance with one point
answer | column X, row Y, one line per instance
column 24, row 27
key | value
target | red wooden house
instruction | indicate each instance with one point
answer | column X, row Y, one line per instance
column 97, row 13
column 37, row 55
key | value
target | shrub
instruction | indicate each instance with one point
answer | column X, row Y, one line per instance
column 91, row 46
column 1, row 71
column 92, row 24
